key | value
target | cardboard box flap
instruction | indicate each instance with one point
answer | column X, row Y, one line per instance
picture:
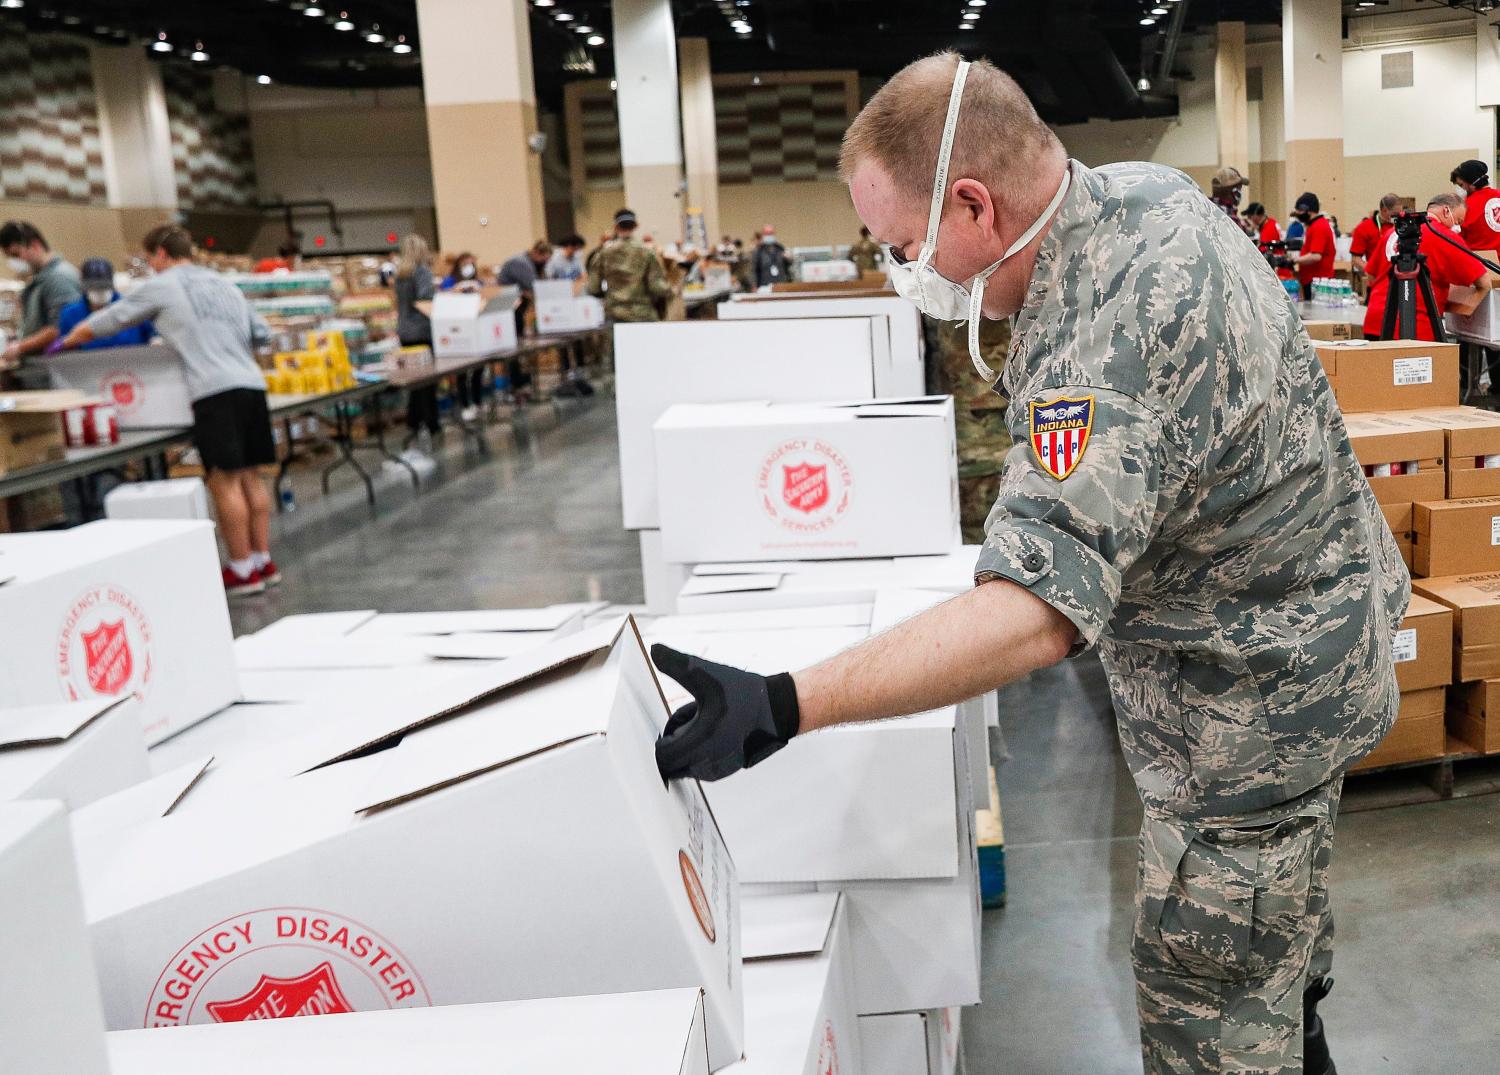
column 1422, row 606
column 252, row 653
column 931, row 407
column 315, row 626
column 434, row 702
column 509, row 620
column 49, row 725
column 97, row 826
column 480, row 646
column 40, row 402
column 551, row 710
column 777, row 926
column 709, row 584
column 765, row 619
column 780, row 567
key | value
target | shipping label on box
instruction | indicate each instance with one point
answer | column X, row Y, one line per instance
column 757, row 482
column 1423, row 647
column 1455, row 536
column 511, row 793
column 1394, row 374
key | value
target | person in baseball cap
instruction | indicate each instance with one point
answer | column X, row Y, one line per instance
column 97, row 277
column 1227, row 188
column 1471, row 181
column 1318, row 243
column 625, row 220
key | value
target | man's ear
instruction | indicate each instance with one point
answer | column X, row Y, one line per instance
column 977, row 203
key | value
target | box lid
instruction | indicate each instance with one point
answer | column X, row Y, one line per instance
column 551, row 618
column 1421, row 606
column 718, row 415
column 1462, row 591
column 51, row 725
column 775, row 926
column 315, row 626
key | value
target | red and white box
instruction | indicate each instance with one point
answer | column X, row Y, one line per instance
column 799, row 986
column 147, row 385
column 482, row 846
column 560, row 309
column 116, row 608
column 465, row 325
column 754, row 482
column 91, row 425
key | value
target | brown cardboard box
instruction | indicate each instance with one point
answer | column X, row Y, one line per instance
column 1393, row 375
column 1474, row 714
column 1471, row 436
column 1411, row 445
column 31, row 430
column 1423, row 649
column 1329, row 330
column 1418, row 734
column 1475, row 601
column 1404, row 545
column 1398, row 518
column 1455, row 536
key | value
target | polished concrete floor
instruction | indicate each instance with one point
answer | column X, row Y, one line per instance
column 1417, row 887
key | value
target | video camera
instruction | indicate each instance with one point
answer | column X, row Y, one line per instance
column 1409, row 226
column 1277, row 252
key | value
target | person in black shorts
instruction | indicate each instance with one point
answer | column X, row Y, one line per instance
column 207, row 320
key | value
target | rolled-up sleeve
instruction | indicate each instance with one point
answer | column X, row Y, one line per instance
column 1077, row 506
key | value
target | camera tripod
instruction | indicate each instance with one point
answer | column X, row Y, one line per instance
column 1407, row 274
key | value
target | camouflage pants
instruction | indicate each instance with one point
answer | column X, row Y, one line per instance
column 1231, row 924
column 976, row 496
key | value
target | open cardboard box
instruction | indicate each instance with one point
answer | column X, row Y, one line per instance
column 74, row 752
column 911, row 1043
column 466, row 324
column 116, row 608
column 755, row 481
column 476, row 846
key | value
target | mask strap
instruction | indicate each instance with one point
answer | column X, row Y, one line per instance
column 940, row 178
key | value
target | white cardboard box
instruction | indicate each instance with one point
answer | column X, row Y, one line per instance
column 174, row 498
column 465, row 324
column 659, row 364
column 911, row 1043
column 660, row 579
column 486, row 856
column 799, row 1005
column 903, row 328
column 50, row 1020
column 147, row 385
column 74, row 752
column 746, row 481
column 654, row 1033
column 559, row 309
column 114, row 608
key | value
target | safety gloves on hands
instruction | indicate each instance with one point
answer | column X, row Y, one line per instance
column 736, row 718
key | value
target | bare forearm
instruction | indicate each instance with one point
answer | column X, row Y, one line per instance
column 37, row 342
column 992, row 635
column 79, row 336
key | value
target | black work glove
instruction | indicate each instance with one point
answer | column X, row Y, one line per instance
column 735, row 719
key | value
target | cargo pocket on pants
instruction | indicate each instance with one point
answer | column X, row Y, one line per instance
column 1204, row 909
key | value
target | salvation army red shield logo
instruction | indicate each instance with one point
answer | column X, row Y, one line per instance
column 314, row 993
column 1060, row 433
column 805, row 485
column 104, row 646
column 107, row 654
column 126, row 390
column 1492, row 214
column 828, row 1051
column 283, row 963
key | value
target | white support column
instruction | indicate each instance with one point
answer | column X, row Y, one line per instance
column 135, row 137
column 1231, row 102
column 1313, row 100
column 481, row 109
column 650, row 117
column 700, row 133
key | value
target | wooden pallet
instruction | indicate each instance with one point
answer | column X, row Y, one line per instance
column 1433, row 779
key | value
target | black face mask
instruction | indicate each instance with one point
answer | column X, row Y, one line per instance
column 1306, row 218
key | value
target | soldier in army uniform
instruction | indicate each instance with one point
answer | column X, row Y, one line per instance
column 1181, row 496
column 866, row 253
column 983, row 437
column 628, row 276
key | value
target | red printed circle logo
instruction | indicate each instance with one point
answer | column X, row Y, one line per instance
column 828, row 1051
column 282, row 963
column 104, row 646
column 126, row 390
column 697, row 898
column 1492, row 213
column 805, row 485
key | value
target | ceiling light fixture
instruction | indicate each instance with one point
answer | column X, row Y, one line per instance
column 1143, row 84
column 313, row 12
column 563, row 16
column 401, row 48
column 614, row 84
column 977, row 3
column 198, row 56
column 545, row 3
column 264, row 80
column 583, row 29
column 374, row 37
column 1158, row 11
column 1148, row 21
column 161, row 44
column 343, row 22
column 966, row 26
column 970, row 16
column 12, row 4
column 735, row 24
column 595, row 39
column 744, row 29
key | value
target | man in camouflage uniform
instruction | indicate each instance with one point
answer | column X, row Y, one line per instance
column 627, row 276
column 983, row 438
column 866, row 253
column 1181, row 496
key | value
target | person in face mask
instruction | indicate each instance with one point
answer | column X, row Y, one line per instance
column 1447, row 265
column 51, row 284
column 1154, row 508
column 463, row 273
column 1481, row 224
column 1319, row 245
column 98, row 292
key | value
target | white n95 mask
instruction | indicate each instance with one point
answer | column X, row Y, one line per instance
column 932, row 292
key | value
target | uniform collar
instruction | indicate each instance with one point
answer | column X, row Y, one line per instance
column 1073, row 224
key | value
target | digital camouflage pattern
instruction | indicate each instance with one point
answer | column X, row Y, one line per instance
column 983, row 436
column 866, row 255
column 1217, row 540
column 636, row 281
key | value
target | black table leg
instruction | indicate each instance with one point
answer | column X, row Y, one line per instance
column 343, row 436
column 286, row 461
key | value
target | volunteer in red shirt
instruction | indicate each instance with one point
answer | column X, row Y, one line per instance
column 1370, row 232
column 1316, row 258
column 1265, row 228
column 1448, row 265
column 1482, row 212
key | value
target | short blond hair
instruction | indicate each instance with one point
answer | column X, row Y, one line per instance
column 999, row 137
column 414, row 252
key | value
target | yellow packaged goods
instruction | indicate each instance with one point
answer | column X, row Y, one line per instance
column 1401, row 453
column 1391, row 375
column 1451, row 537
column 330, row 341
column 1475, row 601
column 1419, row 733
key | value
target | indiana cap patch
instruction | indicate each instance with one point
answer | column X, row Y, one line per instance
column 1060, row 433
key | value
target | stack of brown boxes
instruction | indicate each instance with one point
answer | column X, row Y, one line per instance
column 1391, row 375
column 1475, row 604
column 1424, row 668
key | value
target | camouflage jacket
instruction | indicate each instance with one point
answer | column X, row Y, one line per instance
column 630, row 279
column 866, row 255
column 1183, row 490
